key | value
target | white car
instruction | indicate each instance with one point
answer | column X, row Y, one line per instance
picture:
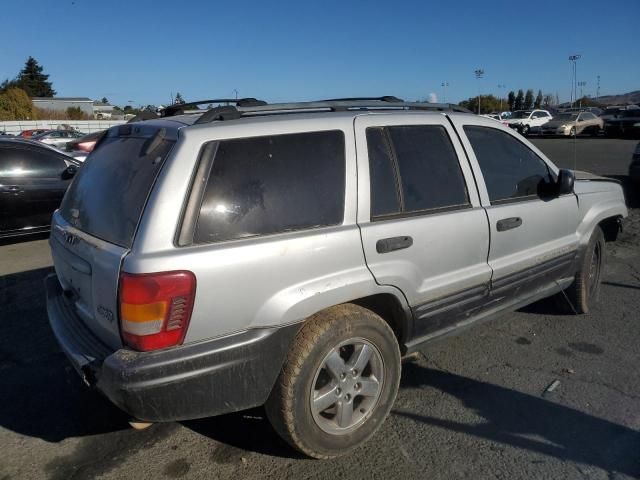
column 526, row 120
column 57, row 138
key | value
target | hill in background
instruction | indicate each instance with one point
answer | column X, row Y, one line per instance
column 631, row 97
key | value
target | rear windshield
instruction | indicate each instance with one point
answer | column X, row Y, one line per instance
column 108, row 195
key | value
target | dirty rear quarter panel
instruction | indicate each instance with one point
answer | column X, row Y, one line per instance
column 260, row 281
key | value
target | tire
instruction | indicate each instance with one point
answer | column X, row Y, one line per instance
column 583, row 293
column 572, row 132
column 524, row 130
column 329, row 342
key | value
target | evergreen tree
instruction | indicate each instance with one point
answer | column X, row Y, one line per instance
column 511, row 100
column 539, row 99
column 528, row 99
column 179, row 100
column 518, row 104
column 31, row 80
column 104, row 100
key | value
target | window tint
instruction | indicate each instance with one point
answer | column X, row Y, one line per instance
column 384, row 191
column 108, row 195
column 428, row 168
column 271, row 184
column 510, row 169
column 27, row 162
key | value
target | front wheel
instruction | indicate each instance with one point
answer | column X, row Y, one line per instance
column 524, row 130
column 338, row 383
column 583, row 293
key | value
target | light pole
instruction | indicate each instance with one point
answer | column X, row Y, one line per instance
column 598, row 90
column 444, row 86
column 235, row 90
column 479, row 73
column 581, row 85
column 501, row 86
column 574, row 89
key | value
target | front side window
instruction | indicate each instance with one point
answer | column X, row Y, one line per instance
column 413, row 168
column 273, row 184
column 510, row 169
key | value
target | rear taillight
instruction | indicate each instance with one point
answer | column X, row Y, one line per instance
column 155, row 308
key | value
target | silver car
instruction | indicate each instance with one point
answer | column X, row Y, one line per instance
column 572, row 124
column 57, row 138
column 290, row 255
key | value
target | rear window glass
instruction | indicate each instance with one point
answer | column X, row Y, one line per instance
column 271, row 184
column 108, row 195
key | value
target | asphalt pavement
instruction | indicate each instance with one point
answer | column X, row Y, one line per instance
column 533, row 394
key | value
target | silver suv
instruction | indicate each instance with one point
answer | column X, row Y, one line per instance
column 289, row 255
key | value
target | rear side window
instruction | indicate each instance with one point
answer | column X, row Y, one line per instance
column 272, row 184
column 108, row 195
column 510, row 169
column 413, row 169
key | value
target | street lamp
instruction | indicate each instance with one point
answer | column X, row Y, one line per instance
column 574, row 89
column 581, row 85
column 501, row 86
column 444, row 86
column 479, row 73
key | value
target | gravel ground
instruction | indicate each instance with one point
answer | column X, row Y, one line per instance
column 471, row 406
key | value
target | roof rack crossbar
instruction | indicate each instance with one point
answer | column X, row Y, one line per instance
column 180, row 108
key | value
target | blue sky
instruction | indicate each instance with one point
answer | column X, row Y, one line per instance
column 145, row 50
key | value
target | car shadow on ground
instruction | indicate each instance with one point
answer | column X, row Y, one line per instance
column 244, row 431
column 40, row 393
column 528, row 422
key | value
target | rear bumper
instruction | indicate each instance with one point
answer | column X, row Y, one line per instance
column 196, row 380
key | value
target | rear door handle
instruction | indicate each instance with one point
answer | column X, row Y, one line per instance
column 508, row 223
column 387, row 245
column 11, row 189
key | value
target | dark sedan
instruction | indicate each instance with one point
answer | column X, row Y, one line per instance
column 33, row 180
column 634, row 168
column 626, row 125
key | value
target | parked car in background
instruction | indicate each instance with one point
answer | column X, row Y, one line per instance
column 80, row 148
column 33, row 132
column 5, row 134
column 626, row 125
column 615, row 111
column 573, row 124
column 33, row 179
column 595, row 110
column 634, row 168
column 202, row 268
column 527, row 121
column 57, row 138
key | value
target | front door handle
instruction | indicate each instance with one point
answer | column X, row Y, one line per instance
column 11, row 189
column 387, row 245
column 508, row 223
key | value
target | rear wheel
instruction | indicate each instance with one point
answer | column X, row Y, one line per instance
column 338, row 383
column 583, row 292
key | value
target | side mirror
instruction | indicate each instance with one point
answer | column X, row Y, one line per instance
column 566, row 180
column 69, row 172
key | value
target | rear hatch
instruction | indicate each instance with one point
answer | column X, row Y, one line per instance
column 95, row 226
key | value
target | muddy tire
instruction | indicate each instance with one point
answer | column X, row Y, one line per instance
column 338, row 383
column 584, row 291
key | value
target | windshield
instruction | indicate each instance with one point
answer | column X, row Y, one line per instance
column 566, row 117
column 107, row 197
column 521, row 114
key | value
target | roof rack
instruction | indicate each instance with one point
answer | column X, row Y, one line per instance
column 230, row 112
column 180, row 108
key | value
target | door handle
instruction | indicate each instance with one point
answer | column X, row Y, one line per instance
column 387, row 245
column 11, row 189
column 508, row 223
